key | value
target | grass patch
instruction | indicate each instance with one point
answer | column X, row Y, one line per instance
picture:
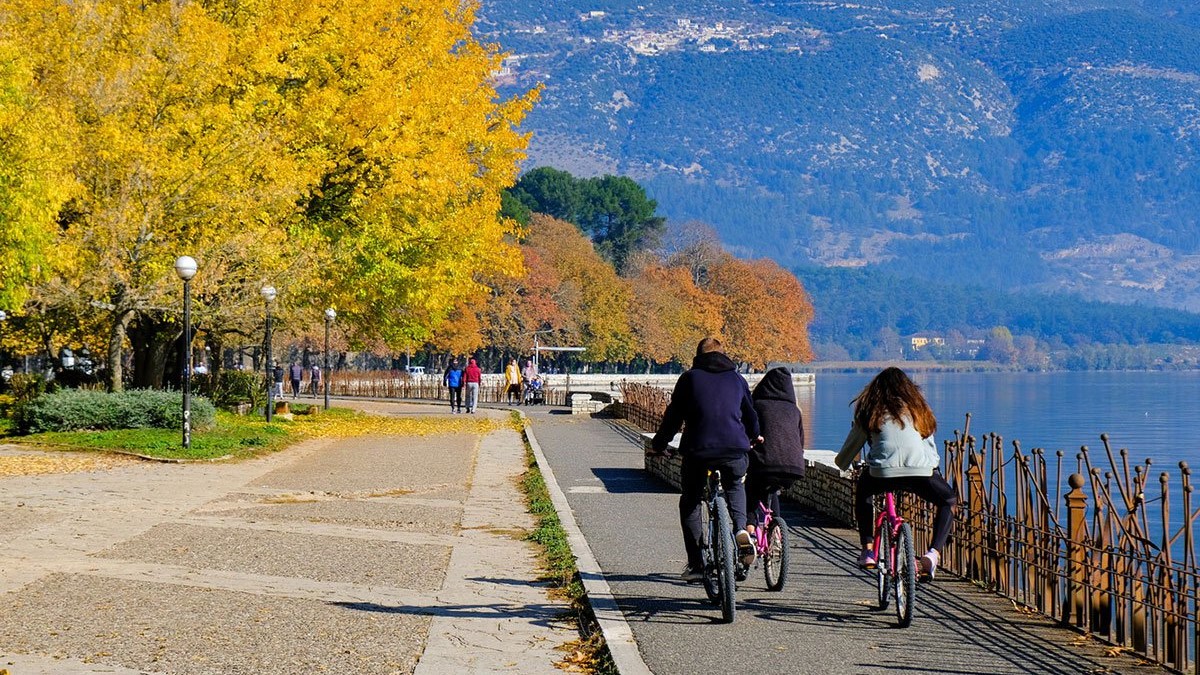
column 589, row 652
column 243, row 436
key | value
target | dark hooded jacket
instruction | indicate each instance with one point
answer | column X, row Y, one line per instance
column 712, row 403
column 782, row 451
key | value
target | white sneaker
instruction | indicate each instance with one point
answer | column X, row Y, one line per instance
column 746, row 547
column 690, row 573
column 928, row 564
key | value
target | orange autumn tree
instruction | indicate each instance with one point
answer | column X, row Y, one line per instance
column 785, row 328
column 588, row 290
column 669, row 311
column 516, row 307
column 766, row 311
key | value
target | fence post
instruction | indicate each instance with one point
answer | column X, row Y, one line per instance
column 977, row 506
column 1076, row 551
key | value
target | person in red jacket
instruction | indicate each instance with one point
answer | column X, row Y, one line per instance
column 472, row 375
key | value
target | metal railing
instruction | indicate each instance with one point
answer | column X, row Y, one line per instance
column 397, row 384
column 1092, row 549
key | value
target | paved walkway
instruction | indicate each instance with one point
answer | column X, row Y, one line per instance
column 366, row 555
column 824, row 620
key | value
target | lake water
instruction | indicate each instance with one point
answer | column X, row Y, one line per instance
column 1152, row 414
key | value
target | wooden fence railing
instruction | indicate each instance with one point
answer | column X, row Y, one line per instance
column 1104, row 552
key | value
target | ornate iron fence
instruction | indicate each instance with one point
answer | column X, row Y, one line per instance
column 1085, row 544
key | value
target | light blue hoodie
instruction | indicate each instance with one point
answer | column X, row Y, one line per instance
column 895, row 450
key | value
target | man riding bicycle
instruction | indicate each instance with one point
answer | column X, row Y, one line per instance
column 712, row 403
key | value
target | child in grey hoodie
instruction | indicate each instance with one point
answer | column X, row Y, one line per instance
column 892, row 416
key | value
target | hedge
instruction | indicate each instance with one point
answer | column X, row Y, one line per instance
column 76, row 409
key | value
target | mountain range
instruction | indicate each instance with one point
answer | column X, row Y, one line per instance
column 1028, row 145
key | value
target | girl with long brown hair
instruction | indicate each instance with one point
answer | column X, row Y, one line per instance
column 893, row 418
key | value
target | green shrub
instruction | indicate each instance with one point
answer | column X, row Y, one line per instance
column 231, row 388
column 26, row 387
column 76, row 409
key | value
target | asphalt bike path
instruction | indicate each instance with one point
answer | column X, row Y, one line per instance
column 824, row 620
column 362, row 555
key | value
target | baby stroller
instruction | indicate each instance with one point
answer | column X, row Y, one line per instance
column 533, row 392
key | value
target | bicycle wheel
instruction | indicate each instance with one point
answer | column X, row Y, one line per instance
column 725, row 560
column 906, row 576
column 775, row 560
column 712, row 584
column 883, row 565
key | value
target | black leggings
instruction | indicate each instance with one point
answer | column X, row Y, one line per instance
column 761, row 487
column 456, row 398
column 933, row 489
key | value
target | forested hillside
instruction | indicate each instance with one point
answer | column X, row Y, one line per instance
column 1021, row 145
column 865, row 313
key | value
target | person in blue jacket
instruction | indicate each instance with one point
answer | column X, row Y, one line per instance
column 712, row 403
column 453, row 379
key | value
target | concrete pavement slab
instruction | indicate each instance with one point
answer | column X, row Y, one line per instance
column 296, row 554
column 332, row 556
column 497, row 617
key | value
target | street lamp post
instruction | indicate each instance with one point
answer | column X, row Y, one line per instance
column 268, row 293
column 185, row 267
column 330, row 315
column 3, row 316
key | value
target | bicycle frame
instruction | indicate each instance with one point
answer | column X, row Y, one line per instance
column 719, row 583
column 892, row 518
column 895, row 564
column 760, row 529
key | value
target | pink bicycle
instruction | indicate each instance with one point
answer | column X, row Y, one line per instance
column 771, row 539
column 896, row 561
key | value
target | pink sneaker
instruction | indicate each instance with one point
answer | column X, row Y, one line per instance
column 867, row 560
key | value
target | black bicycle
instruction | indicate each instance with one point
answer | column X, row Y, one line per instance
column 720, row 566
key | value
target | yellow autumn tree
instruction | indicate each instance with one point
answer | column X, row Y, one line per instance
column 347, row 153
column 419, row 147
column 34, row 180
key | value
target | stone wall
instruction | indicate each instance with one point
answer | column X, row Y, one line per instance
column 823, row 489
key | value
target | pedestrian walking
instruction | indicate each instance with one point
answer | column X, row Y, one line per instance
column 512, row 382
column 296, row 373
column 314, row 379
column 453, row 379
column 472, row 376
column 277, row 376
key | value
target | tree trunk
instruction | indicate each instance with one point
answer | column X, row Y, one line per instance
column 216, row 363
column 153, row 344
column 116, row 351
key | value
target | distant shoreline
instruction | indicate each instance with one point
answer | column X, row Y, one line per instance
column 949, row 367
column 912, row 366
